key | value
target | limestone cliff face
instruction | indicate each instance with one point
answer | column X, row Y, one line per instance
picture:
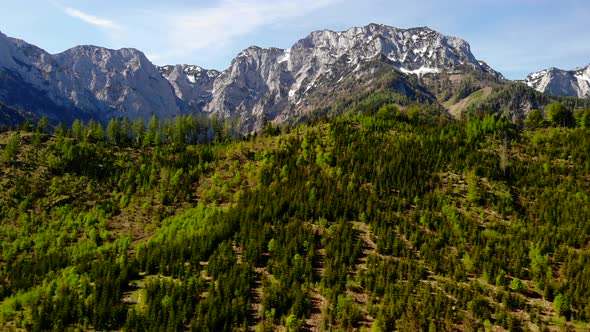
column 91, row 81
column 558, row 82
column 192, row 84
column 260, row 84
column 275, row 84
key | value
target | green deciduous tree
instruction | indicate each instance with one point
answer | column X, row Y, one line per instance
column 583, row 117
column 517, row 285
column 77, row 129
column 94, row 132
column 11, row 149
column 534, row 119
column 114, row 131
column 43, row 124
column 138, row 131
column 561, row 305
column 126, row 130
column 558, row 115
column 501, row 279
column 152, row 136
column 538, row 263
column 388, row 112
column 473, row 194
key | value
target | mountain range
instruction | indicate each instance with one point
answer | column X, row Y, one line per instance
column 554, row 81
column 261, row 84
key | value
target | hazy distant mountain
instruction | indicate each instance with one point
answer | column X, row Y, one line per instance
column 558, row 82
column 85, row 82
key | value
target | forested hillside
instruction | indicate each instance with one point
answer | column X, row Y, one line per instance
column 384, row 219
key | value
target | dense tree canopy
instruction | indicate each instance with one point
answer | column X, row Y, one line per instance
column 391, row 218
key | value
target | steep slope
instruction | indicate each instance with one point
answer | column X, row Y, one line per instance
column 10, row 117
column 512, row 100
column 281, row 84
column 353, row 223
column 191, row 83
column 23, row 84
column 558, row 82
column 82, row 82
column 317, row 75
column 113, row 82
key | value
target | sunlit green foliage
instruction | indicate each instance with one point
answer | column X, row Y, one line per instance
column 391, row 218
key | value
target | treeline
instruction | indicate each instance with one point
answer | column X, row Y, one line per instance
column 180, row 130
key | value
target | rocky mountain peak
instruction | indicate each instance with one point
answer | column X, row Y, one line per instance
column 414, row 51
column 17, row 55
column 193, row 73
column 559, row 82
column 192, row 84
column 96, row 81
column 260, row 83
column 89, row 55
column 273, row 83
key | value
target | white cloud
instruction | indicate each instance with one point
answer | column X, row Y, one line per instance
column 91, row 19
column 215, row 27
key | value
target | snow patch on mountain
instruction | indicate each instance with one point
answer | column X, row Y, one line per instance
column 583, row 75
column 420, row 71
column 285, row 57
column 260, row 83
column 572, row 83
column 273, row 82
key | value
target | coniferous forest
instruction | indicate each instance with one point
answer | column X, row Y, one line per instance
column 387, row 218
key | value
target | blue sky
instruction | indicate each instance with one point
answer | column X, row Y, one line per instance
column 515, row 37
